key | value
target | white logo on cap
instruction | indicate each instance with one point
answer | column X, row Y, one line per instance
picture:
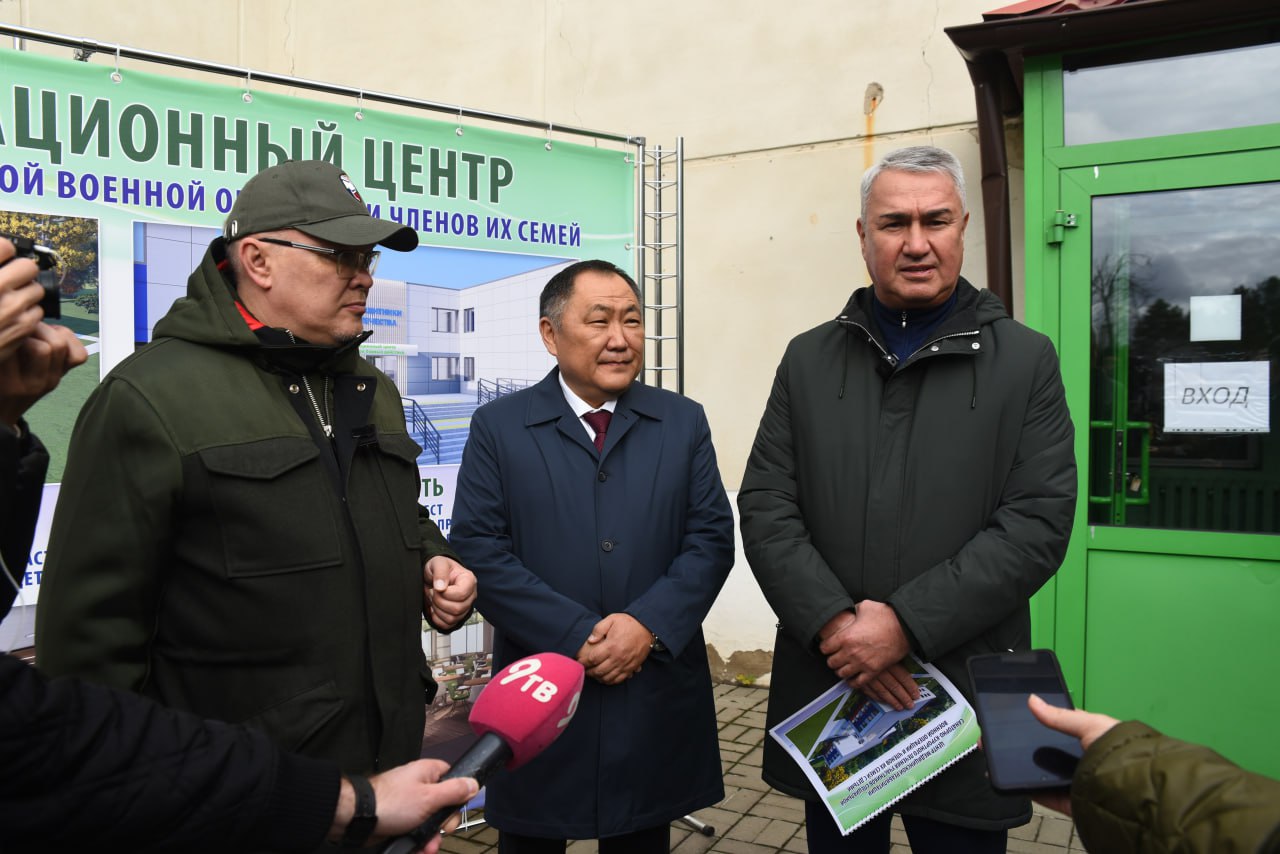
column 351, row 187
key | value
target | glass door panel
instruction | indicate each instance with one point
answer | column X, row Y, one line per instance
column 1185, row 346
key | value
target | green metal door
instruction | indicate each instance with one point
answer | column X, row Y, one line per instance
column 1170, row 340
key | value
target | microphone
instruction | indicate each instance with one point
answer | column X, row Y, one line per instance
column 519, row 713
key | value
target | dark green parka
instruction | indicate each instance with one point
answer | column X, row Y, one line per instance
column 944, row 485
column 212, row 550
column 1139, row 792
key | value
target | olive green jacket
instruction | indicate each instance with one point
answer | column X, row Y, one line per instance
column 210, row 549
column 1139, row 792
column 944, row 485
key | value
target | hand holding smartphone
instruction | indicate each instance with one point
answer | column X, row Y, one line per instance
column 50, row 275
column 1023, row 755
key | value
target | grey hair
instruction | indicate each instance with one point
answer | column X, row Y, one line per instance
column 917, row 158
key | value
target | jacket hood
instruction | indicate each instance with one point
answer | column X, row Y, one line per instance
column 208, row 315
column 974, row 308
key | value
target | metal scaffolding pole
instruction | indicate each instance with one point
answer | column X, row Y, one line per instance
column 662, row 270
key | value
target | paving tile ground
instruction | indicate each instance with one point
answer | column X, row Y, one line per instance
column 755, row 819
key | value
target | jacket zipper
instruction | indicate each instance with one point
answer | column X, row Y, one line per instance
column 944, row 338
column 324, row 422
column 889, row 358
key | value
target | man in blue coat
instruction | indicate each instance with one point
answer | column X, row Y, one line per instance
column 590, row 508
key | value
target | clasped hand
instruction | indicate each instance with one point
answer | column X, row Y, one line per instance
column 616, row 648
column 866, row 649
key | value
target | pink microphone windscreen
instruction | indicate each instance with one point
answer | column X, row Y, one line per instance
column 529, row 703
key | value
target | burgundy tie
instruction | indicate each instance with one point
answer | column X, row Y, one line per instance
column 599, row 421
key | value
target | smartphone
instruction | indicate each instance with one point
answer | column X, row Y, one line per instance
column 1023, row 755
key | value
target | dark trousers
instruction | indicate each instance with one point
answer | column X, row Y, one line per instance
column 925, row 835
column 653, row 840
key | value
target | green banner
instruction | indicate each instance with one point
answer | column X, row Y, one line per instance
column 129, row 175
column 77, row 142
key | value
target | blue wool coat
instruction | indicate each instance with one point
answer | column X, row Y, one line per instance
column 560, row 536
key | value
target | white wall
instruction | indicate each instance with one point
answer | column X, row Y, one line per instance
column 506, row 343
column 770, row 100
column 171, row 252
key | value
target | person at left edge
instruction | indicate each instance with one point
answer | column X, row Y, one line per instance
column 238, row 532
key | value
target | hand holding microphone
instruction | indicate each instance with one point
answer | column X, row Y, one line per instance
column 519, row 713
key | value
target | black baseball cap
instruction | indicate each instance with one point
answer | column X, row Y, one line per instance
column 316, row 198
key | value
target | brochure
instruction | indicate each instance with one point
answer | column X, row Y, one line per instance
column 862, row 757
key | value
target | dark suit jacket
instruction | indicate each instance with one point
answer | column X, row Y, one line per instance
column 559, row 536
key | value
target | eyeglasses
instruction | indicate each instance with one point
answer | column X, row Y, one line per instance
column 348, row 261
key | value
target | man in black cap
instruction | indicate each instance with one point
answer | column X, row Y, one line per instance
column 84, row 762
column 238, row 532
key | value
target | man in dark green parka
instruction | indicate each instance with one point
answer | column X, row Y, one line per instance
column 911, row 485
column 238, row 532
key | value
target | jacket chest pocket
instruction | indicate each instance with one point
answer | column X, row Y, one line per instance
column 272, row 506
column 394, row 465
